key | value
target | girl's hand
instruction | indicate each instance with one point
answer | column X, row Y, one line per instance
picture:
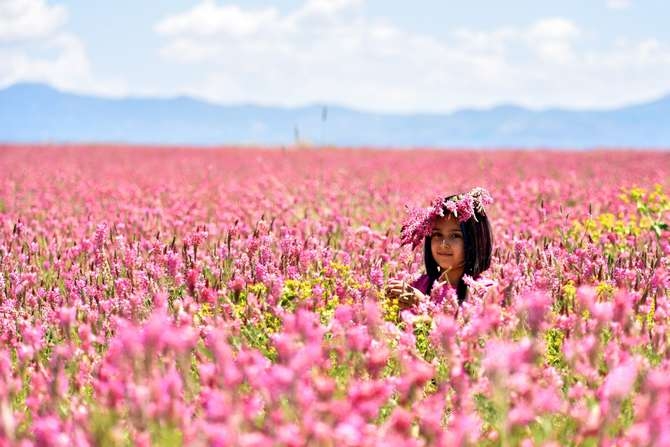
column 406, row 295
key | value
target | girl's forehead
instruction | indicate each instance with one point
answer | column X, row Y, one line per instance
column 446, row 223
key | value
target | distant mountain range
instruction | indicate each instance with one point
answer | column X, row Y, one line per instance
column 32, row 112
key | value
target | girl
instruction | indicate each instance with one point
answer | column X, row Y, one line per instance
column 457, row 241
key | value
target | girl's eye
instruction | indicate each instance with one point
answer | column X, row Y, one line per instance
column 454, row 236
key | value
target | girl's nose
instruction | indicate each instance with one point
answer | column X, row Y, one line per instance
column 443, row 242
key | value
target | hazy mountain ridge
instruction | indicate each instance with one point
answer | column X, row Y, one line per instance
column 38, row 113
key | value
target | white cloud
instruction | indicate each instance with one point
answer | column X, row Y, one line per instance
column 553, row 29
column 62, row 62
column 552, row 39
column 328, row 51
column 618, row 4
column 22, row 20
column 208, row 19
column 36, row 46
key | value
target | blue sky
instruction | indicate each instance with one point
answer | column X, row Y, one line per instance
column 395, row 56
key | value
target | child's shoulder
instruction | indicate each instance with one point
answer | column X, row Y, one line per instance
column 421, row 283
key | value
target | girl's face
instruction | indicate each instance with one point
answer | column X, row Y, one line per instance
column 447, row 247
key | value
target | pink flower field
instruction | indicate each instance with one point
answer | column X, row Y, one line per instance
column 235, row 296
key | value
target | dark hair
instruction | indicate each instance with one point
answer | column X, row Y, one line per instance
column 478, row 245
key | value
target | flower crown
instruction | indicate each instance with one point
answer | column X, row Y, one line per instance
column 419, row 221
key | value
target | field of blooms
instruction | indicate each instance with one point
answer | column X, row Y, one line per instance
column 175, row 296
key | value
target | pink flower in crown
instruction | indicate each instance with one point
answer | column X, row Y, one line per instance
column 417, row 225
column 464, row 208
column 419, row 221
column 452, row 207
